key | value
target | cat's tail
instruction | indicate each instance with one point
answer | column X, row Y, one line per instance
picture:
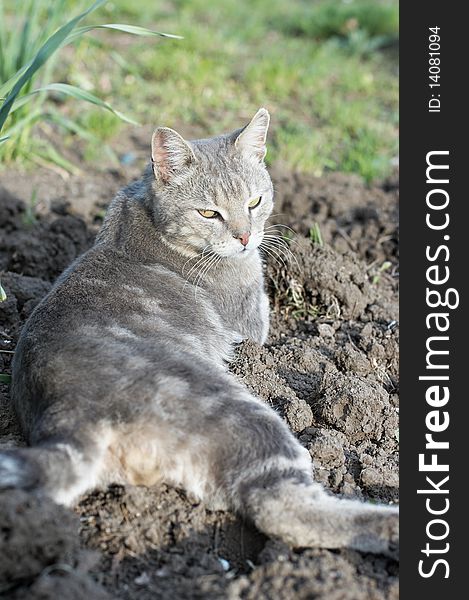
column 61, row 471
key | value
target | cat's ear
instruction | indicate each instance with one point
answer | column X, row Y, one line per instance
column 251, row 139
column 170, row 153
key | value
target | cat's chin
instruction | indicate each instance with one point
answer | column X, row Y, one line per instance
column 242, row 254
column 246, row 252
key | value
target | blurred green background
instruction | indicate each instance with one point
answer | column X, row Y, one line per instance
column 326, row 70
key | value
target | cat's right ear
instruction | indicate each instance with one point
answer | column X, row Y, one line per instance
column 250, row 140
column 170, row 154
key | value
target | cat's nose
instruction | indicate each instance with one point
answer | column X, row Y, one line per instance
column 243, row 238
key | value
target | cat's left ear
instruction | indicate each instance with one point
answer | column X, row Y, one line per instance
column 251, row 139
column 170, row 153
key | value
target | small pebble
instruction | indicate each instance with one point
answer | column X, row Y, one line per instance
column 143, row 579
column 325, row 330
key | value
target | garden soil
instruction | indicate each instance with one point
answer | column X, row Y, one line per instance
column 330, row 368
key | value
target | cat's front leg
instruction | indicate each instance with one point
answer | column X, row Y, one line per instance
column 254, row 324
column 264, row 318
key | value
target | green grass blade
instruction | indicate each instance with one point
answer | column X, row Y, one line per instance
column 70, row 125
column 2, row 43
column 47, row 49
column 4, row 138
column 3, row 294
column 21, row 123
column 132, row 29
column 7, row 85
column 142, row 31
column 50, row 155
column 25, row 42
column 21, row 101
column 315, row 235
column 73, row 127
column 79, row 94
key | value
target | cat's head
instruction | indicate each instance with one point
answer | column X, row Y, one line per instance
column 213, row 195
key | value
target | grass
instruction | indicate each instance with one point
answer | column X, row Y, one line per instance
column 384, row 267
column 315, row 235
column 30, row 38
column 325, row 69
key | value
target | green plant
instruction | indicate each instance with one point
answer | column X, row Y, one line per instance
column 29, row 42
column 315, row 235
column 29, row 216
column 384, row 267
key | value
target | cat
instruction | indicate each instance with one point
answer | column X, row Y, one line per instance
column 120, row 374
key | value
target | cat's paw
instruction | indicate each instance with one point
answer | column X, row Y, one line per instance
column 391, row 534
column 379, row 532
column 16, row 471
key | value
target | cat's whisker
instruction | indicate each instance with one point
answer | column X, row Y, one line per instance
column 280, row 214
column 281, row 258
column 281, row 248
column 232, row 267
column 269, row 251
column 272, row 256
column 280, row 225
column 213, row 262
column 200, row 255
column 270, row 229
column 200, row 263
column 281, row 238
column 285, row 252
column 198, row 267
column 275, row 236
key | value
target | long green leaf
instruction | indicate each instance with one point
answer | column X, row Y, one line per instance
column 49, row 155
column 133, row 29
column 141, row 31
column 25, row 41
column 21, row 123
column 56, row 117
column 79, row 94
column 21, row 101
column 4, row 138
column 70, row 125
column 2, row 52
column 3, row 294
column 44, row 52
column 6, row 87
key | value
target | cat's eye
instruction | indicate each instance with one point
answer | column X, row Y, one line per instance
column 208, row 214
column 255, row 202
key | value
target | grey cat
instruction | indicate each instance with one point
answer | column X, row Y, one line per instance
column 120, row 373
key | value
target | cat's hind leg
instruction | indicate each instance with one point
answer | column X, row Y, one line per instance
column 304, row 515
column 268, row 477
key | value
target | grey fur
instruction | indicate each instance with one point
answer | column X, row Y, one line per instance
column 120, row 373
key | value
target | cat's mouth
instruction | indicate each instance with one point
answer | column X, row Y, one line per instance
column 243, row 252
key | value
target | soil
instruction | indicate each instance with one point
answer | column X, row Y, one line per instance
column 330, row 368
